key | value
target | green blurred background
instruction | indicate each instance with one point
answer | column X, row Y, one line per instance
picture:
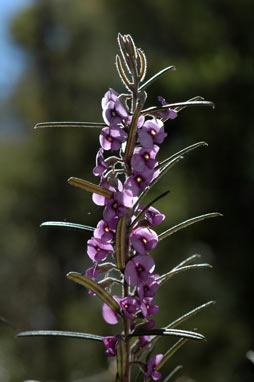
column 67, row 50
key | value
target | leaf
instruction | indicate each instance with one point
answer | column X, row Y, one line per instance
column 162, row 172
column 143, row 64
column 121, row 243
column 122, row 74
column 188, row 260
column 121, row 360
column 171, row 352
column 139, row 216
column 67, row 225
column 60, row 333
column 178, row 321
column 132, row 133
column 186, row 223
column 96, row 288
column 197, row 98
column 173, row 372
column 169, row 332
column 70, row 124
column 155, row 109
column 180, row 153
column 156, row 76
column 192, row 313
column 175, row 271
column 85, row 185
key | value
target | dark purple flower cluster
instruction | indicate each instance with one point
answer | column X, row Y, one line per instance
column 138, row 305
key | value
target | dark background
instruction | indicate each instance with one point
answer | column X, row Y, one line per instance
column 70, row 48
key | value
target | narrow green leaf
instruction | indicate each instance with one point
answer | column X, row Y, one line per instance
column 121, row 243
column 132, row 134
column 186, row 223
column 173, row 372
column 190, row 314
column 67, row 225
column 140, row 215
column 143, row 64
column 121, row 360
column 155, row 109
column 85, row 185
column 156, row 76
column 169, row 332
column 197, row 98
column 177, row 322
column 122, row 74
column 162, row 279
column 60, row 333
column 171, row 352
column 96, row 288
column 42, row 125
column 188, row 261
column 162, row 172
column 181, row 153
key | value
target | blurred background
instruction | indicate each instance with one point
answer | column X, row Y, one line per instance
column 56, row 63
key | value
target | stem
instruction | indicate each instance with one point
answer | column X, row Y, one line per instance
column 127, row 338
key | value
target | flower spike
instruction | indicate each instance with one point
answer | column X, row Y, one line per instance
column 123, row 273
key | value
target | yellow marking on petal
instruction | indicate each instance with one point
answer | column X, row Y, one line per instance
column 153, row 132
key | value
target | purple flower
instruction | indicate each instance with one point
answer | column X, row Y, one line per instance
column 148, row 308
column 151, row 367
column 140, row 181
column 167, row 113
column 114, row 113
column 93, row 273
column 109, row 315
column 143, row 240
column 101, row 165
column 141, row 120
column 111, row 138
column 105, row 231
column 143, row 340
column 101, row 200
column 138, row 269
column 153, row 216
column 110, row 95
column 152, row 132
column 97, row 250
column 147, row 288
column 116, row 207
column 110, row 344
column 143, row 159
column 129, row 307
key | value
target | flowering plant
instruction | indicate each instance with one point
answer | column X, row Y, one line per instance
column 123, row 273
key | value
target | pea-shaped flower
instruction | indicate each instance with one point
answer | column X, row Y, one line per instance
column 143, row 240
column 97, row 250
column 138, row 269
column 144, row 159
column 112, row 137
column 152, row 132
column 114, row 113
column 151, row 367
column 110, row 344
